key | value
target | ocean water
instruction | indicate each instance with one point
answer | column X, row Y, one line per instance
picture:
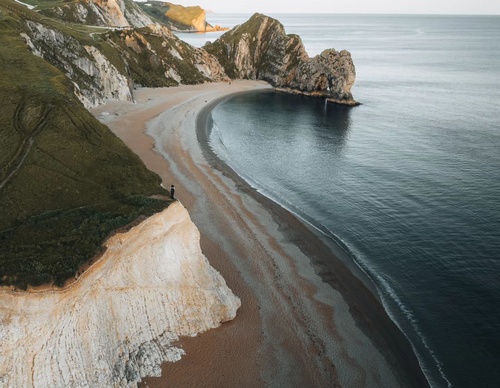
column 408, row 183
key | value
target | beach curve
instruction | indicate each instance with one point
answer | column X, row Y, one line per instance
column 293, row 328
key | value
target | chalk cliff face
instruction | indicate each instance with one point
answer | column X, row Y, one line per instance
column 150, row 56
column 117, row 13
column 260, row 49
column 95, row 79
column 117, row 323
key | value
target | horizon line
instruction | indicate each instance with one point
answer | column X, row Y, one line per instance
column 353, row 13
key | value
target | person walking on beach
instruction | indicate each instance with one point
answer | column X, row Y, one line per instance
column 172, row 191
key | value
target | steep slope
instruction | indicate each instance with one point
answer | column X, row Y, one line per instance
column 260, row 49
column 109, row 64
column 111, row 13
column 59, row 166
column 65, row 180
column 118, row 322
column 179, row 18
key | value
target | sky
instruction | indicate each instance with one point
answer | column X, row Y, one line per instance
column 475, row 7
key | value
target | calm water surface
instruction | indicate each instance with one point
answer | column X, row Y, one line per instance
column 408, row 183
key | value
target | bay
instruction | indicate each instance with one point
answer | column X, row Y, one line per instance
column 408, row 183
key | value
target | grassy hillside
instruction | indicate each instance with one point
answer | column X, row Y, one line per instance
column 226, row 47
column 147, row 66
column 66, row 181
column 172, row 15
column 43, row 4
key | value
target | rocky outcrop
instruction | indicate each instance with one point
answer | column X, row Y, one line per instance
column 121, row 60
column 156, row 57
column 260, row 49
column 111, row 13
column 179, row 18
column 113, row 62
column 94, row 77
column 117, row 323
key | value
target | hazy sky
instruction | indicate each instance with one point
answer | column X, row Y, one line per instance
column 481, row 7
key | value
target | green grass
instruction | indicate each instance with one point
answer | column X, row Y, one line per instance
column 44, row 4
column 146, row 68
column 171, row 14
column 183, row 15
column 272, row 48
column 73, row 181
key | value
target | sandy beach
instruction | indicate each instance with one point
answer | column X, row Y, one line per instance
column 308, row 317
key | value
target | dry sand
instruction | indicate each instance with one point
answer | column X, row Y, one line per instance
column 307, row 318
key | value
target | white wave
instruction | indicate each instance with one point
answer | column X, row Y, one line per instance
column 412, row 320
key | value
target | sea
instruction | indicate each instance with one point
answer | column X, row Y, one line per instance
column 408, row 183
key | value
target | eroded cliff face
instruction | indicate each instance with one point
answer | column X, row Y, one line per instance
column 110, row 64
column 260, row 49
column 94, row 77
column 156, row 57
column 117, row 323
column 112, row 13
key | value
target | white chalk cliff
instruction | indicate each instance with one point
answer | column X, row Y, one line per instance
column 117, row 322
column 116, row 13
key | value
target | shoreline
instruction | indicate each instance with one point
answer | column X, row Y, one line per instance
column 151, row 286
column 292, row 328
column 335, row 266
column 339, row 270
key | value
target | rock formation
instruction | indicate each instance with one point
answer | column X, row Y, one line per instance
column 118, row 60
column 113, row 62
column 94, row 77
column 117, row 323
column 179, row 18
column 116, row 13
column 260, row 49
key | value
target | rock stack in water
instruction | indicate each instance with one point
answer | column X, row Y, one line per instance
column 260, row 49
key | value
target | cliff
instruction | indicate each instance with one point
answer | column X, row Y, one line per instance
column 179, row 18
column 110, row 13
column 66, row 184
column 110, row 64
column 118, row 322
column 66, row 181
column 260, row 49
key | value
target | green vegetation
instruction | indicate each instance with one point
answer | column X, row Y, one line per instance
column 70, row 13
column 172, row 15
column 183, row 15
column 66, row 182
column 220, row 48
column 272, row 54
column 43, row 4
column 147, row 65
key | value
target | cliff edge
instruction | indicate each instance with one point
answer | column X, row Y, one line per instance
column 106, row 13
column 117, row 323
column 179, row 18
column 260, row 49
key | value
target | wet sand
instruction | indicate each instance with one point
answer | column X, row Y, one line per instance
column 308, row 315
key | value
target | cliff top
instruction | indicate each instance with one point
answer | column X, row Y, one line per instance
column 178, row 17
column 261, row 49
column 66, row 181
